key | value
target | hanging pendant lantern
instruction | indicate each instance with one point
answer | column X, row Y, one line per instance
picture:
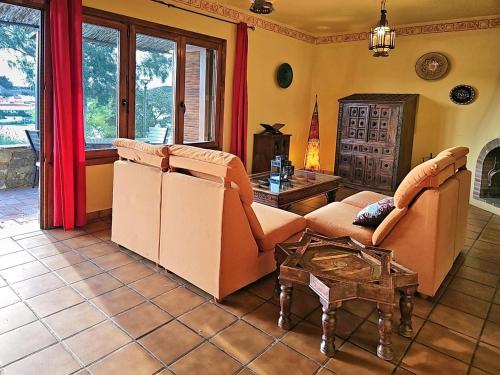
column 261, row 6
column 382, row 37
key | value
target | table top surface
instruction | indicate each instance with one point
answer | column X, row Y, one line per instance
column 302, row 179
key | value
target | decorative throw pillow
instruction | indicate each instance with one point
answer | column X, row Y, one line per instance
column 373, row 214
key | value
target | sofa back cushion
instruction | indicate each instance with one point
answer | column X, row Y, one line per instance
column 430, row 174
column 212, row 164
column 142, row 153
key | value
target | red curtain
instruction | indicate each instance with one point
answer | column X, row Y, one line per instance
column 69, row 144
column 240, row 95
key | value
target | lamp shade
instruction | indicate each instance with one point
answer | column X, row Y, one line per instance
column 382, row 37
column 311, row 159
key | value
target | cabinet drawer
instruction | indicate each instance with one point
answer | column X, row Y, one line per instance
column 385, row 166
column 353, row 122
column 385, row 112
column 374, row 124
column 387, row 151
column 366, row 149
column 384, row 181
column 345, row 147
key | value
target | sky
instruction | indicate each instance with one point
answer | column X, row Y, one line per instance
column 15, row 75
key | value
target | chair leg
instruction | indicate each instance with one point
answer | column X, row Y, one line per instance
column 35, row 177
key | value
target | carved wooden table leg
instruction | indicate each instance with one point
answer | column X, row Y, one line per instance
column 384, row 348
column 406, row 307
column 330, row 196
column 285, row 321
column 329, row 322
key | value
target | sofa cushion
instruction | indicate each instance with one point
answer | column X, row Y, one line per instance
column 364, row 198
column 158, row 150
column 431, row 173
column 373, row 214
column 271, row 225
column 215, row 163
column 455, row 152
column 142, row 153
column 387, row 225
column 335, row 220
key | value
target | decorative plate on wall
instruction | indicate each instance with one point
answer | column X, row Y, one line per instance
column 284, row 75
column 432, row 66
column 462, row 94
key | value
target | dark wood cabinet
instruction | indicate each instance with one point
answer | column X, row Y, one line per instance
column 266, row 147
column 375, row 140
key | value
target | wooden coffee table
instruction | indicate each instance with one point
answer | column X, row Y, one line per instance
column 302, row 185
column 342, row 269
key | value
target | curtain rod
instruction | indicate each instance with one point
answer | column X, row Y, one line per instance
column 251, row 27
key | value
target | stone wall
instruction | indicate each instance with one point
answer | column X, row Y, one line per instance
column 16, row 167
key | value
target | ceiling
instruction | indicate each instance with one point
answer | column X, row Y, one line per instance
column 321, row 17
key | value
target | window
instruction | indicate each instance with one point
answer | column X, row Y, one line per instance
column 151, row 83
column 20, row 34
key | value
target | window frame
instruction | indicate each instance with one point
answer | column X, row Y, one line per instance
column 129, row 27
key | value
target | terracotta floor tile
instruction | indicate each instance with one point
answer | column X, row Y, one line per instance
column 212, row 360
column 75, row 319
column 241, row 303
column 2, row 282
column 265, row 317
column 7, row 296
column 486, row 251
column 97, row 342
column 497, row 298
column 81, row 241
column 207, row 319
column 347, row 322
column 358, row 307
column 96, row 226
column 97, row 285
column 181, row 340
column 491, row 333
column 306, row 338
column 54, row 301
column 130, row 360
column 104, row 235
column 15, row 316
column 479, row 276
column 476, row 371
column 79, row 272
column 97, row 250
column 61, row 362
column 15, row 259
column 242, row 341
column 131, row 272
column 486, row 358
column 61, row 234
column 24, row 271
column 279, row 359
column 37, row 285
column 422, row 360
column 466, row 303
column 367, row 336
column 494, row 314
column 154, row 285
column 8, row 245
column 69, row 258
column 303, row 303
column 200, row 292
column 447, row 341
column 48, row 250
column 490, row 235
column 118, row 300
column 472, row 288
column 113, row 260
column 264, row 288
column 142, row 319
column 41, row 239
column 352, row 360
column 457, row 320
column 325, row 371
column 23, row 341
column 417, row 322
column 178, row 301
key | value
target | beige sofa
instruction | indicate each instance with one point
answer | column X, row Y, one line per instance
column 191, row 210
column 427, row 228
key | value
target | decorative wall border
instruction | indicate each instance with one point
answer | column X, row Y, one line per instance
column 431, row 28
column 435, row 28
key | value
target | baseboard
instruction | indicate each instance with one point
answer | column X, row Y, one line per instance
column 101, row 214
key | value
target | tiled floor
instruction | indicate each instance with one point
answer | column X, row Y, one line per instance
column 76, row 303
column 19, row 210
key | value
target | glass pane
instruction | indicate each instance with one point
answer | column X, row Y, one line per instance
column 199, row 97
column 19, row 39
column 154, row 89
column 100, row 85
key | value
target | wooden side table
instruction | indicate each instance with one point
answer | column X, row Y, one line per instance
column 341, row 269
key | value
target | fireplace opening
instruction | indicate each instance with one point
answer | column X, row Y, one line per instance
column 487, row 179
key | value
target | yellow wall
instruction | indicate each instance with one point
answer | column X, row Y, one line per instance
column 347, row 68
column 336, row 70
column 267, row 102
